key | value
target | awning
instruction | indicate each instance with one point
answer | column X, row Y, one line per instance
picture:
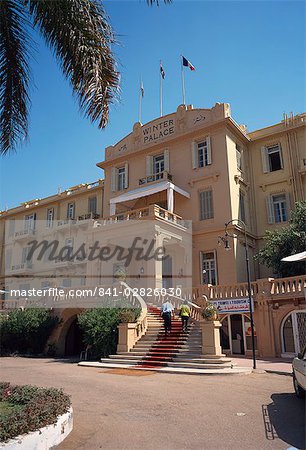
column 297, row 257
column 144, row 191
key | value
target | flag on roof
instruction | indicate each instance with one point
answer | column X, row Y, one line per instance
column 187, row 63
column 141, row 89
column 162, row 72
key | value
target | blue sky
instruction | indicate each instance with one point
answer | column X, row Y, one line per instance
column 249, row 54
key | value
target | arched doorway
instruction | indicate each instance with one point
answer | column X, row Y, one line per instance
column 293, row 333
column 73, row 341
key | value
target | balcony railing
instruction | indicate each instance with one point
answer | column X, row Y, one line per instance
column 24, row 233
column 272, row 288
column 148, row 212
column 66, row 222
column 155, row 177
column 22, row 267
column 88, row 216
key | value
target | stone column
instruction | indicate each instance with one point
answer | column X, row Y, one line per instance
column 211, row 338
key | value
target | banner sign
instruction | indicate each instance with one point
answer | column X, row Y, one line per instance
column 232, row 305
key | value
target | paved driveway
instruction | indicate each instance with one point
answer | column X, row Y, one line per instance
column 132, row 410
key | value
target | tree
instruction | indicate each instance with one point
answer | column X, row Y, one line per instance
column 285, row 242
column 81, row 37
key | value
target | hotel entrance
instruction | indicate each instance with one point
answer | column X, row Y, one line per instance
column 235, row 334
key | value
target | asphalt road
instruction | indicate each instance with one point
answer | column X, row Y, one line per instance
column 132, row 410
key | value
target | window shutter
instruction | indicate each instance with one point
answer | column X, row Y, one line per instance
column 270, row 210
column 264, row 159
column 113, row 179
column 166, row 160
column 281, row 156
column 149, row 165
column 126, row 177
column 194, row 155
column 208, row 141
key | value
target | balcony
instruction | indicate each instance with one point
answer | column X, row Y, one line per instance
column 23, row 267
column 24, row 234
column 84, row 219
column 65, row 223
column 149, row 212
column 155, row 177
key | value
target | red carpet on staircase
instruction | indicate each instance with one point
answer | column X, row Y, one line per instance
column 165, row 348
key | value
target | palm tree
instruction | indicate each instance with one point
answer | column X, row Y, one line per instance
column 81, row 37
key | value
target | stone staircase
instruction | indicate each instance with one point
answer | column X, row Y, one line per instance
column 178, row 352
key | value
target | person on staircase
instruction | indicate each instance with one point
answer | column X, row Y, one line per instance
column 184, row 315
column 167, row 311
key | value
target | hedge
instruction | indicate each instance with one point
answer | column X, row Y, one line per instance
column 39, row 407
column 26, row 331
column 99, row 327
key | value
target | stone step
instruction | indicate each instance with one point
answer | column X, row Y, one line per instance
column 177, row 370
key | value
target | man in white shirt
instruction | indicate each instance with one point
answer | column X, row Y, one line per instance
column 167, row 310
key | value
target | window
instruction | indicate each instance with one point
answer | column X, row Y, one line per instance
column 50, row 218
column 8, row 259
column 201, row 153
column 158, row 166
column 277, row 208
column 24, row 256
column 242, row 215
column 208, row 268
column 29, row 222
column 239, row 157
column 11, row 231
column 120, row 178
column 66, row 283
column 206, row 205
column 92, row 205
column 70, row 211
column 271, row 158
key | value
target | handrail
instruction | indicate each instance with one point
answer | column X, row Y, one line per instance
column 195, row 310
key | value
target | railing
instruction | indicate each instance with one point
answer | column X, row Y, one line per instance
column 195, row 310
column 24, row 233
column 62, row 223
column 22, row 266
column 155, row 177
column 270, row 287
column 288, row 286
column 148, row 212
column 88, row 216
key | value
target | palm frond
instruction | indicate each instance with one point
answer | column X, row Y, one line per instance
column 14, row 75
column 81, row 37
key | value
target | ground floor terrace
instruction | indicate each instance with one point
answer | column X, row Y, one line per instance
column 279, row 307
column 119, row 409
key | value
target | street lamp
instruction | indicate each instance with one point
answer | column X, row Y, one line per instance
column 225, row 240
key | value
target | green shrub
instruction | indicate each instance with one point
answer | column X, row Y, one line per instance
column 26, row 331
column 99, row 327
column 39, row 407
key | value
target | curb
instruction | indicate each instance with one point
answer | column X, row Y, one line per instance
column 45, row 438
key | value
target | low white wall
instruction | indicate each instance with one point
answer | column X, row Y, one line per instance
column 45, row 438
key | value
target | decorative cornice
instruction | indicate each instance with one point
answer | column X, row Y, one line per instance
column 214, row 176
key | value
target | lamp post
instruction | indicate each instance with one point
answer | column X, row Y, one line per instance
column 225, row 240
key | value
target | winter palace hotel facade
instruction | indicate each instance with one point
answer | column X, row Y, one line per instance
column 194, row 165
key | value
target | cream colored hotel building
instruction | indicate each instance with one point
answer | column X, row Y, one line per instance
column 197, row 165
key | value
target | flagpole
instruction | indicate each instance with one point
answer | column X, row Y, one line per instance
column 183, row 82
column 160, row 90
column 140, row 102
